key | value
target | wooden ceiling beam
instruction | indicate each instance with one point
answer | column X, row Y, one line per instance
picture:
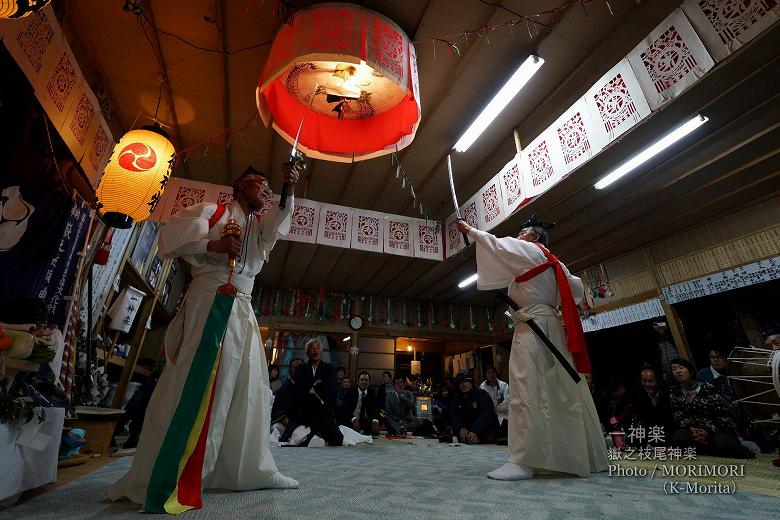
column 639, row 232
column 583, row 64
column 703, row 107
column 221, row 9
column 462, row 62
column 166, row 84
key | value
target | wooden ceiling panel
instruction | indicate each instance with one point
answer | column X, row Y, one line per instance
column 728, row 163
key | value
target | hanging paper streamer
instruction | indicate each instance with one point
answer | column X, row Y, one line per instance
column 725, row 26
column 669, row 60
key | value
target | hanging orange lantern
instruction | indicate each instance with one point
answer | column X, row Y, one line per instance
column 10, row 9
column 135, row 176
column 350, row 75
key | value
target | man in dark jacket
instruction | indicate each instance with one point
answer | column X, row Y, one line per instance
column 474, row 418
column 359, row 410
column 282, row 397
column 313, row 401
column 652, row 409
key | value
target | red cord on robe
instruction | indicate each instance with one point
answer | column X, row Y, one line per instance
column 575, row 337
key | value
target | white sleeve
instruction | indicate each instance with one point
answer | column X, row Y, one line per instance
column 500, row 260
column 187, row 233
column 577, row 288
column 274, row 224
column 504, row 406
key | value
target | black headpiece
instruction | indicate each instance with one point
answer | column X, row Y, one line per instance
column 534, row 222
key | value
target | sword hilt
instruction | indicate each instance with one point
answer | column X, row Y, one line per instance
column 283, row 196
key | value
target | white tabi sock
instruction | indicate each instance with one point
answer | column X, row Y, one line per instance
column 278, row 481
column 510, row 471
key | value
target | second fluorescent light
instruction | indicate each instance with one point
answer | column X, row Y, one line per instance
column 499, row 101
column 468, row 281
column 654, row 149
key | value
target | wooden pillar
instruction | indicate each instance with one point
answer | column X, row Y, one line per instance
column 518, row 144
column 139, row 336
column 672, row 317
column 353, row 360
column 135, row 350
column 750, row 326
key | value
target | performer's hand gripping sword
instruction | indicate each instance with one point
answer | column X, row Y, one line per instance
column 295, row 158
column 455, row 197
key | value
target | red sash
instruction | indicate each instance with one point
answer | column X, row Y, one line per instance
column 217, row 215
column 575, row 338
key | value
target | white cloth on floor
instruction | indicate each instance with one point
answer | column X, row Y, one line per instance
column 553, row 423
column 299, row 435
column 351, row 437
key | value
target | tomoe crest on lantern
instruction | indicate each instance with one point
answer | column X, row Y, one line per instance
column 20, row 8
column 351, row 74
column 135, row 176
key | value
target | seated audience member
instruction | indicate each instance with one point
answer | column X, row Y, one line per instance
column 499, row 392
column 273, row 377
column 474, row 419
column 341, row 373
column 772, row 342
column 441, row 407
column 589, row 380
column 343, row 386
column 715, row 374
column 359, row 411
column 284, row 394
column 401, row 411
column 385, row 388
column 313, row 402
column 135, row 411
column 702, row 416
column 651, row 408
column 614, row 408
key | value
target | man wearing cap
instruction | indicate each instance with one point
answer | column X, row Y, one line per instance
column 222, row 396
column 553, row 424
column 474, row 420
column 499, row 393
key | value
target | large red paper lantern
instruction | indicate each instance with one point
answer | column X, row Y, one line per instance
column 350, row 75
column 135, row 176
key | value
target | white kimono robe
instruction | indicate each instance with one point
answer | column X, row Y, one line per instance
column 553, row 423
column 237, row 453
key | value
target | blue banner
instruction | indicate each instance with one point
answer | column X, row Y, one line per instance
column 58, row 277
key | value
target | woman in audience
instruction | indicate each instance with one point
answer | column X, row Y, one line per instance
column 273, row 377
column 615, row 411
column 702, row 416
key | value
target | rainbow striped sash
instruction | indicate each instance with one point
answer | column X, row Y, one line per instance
column 175, row 483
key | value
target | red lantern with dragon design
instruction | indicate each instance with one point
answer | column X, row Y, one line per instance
column 350, row 75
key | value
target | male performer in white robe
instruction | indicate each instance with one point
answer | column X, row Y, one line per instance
column 207, row 423
column 553, row 425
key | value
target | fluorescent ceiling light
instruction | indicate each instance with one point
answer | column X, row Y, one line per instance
column 654, row 149
column 521, row 76
column 347, row 338
column 468, row 281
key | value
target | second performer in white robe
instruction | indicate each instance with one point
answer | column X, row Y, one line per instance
column 553, row 424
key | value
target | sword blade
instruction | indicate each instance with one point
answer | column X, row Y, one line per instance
column 454, row 196
column 297, row 138
column 452, row 187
